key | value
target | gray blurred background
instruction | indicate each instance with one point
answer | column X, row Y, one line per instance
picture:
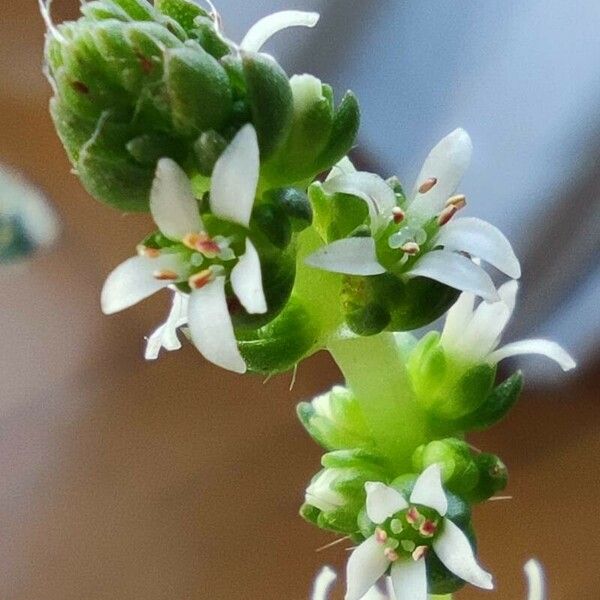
column 172, row 480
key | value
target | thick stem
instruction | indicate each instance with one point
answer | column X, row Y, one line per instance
column 374, row 370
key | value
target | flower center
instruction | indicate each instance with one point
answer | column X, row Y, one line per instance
column 409, row 533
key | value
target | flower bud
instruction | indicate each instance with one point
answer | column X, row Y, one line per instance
column 493, row 477
column 446, row 389
column 320, row 134
column 334, row 420
column 281, row 344
column 336, row 494
column 372, row 304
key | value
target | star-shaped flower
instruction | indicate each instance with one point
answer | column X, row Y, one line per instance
column 406, row 531
column 472, row 335
column 418, row 234
column 196, row 258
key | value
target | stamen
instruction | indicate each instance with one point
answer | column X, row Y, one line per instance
column 398, row 214
column 428, row 528
column 203, row 243
column 391, row 555
column 420, row 552
column 414, row 517
column 166, row 275
column 446, row 215
column 427, row 185
column 199, row 280
column 147, row 252
column 396, row 526
column 411, row 248
column 460, row 201
column 381, row 536
column 407, row 545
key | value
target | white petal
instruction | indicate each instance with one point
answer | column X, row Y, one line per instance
column 383, row 501
column 535, row 580
column 352, row 256
column 547, row 348
column 483, row 332
column 371, row 188
column 457, row 271
column 268, row 26
column 447, row 163
column 409, row 578
column 165, row 336
column 481, row 239
column 133, row 280
column 457, row 319
column 365, row 566
column 508, row 294
column 323, row 583
column 343, row 167
column 235, row 177
column 246, row 281
column 172, row 202
column 211, row 328
column 428, row 490
column 454, row 550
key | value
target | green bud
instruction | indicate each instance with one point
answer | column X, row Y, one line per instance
column 207, row 149
column 270, row 99
column 199, row 91
column 281, row 344
column 336, row 494
column 182, row 11
column 493, row 477
column 460, row 473
column 372, row 304
column 294, row 204
column 335, row 420
column 320, row 135
column 448, row 390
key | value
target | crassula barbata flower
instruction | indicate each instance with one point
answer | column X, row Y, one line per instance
column 453, row 373
column 135, row 82
column 405, row 256
column 406, row 531
column 199, row 255
column 326, row 579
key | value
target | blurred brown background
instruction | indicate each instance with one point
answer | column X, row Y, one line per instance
column 174, row 480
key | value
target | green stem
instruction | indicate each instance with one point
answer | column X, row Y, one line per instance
column 374, row 370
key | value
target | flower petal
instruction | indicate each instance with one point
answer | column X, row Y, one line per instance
column 323, row 582
column 454, row 550
column 383, row 501
column 428, row 490
column 352, row 256
column 547, row 348
column 409, row 578
column 133, row 281
column 457, row 271
column 365, row 566
column 457, row 319
column 268, row 26
column 235, row 177
column 246, row 281
column 211, row 328
column 481, row 239
column 535, row 580
column 371, row 188
column 165, row 336
column 447, row 163
column 343, row 167
column 172, row 202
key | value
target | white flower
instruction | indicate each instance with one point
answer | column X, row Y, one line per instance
column 175, row 212
column 321, row 493
column 473, row 334
column 432, row 196
column 388, row 549
column 326, row 578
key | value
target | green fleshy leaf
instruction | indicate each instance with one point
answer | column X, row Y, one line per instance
column 183, row 11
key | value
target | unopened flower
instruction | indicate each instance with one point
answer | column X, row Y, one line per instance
column 471, row 335
column 196, row 258
column 420, row 237
column 412, row 529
